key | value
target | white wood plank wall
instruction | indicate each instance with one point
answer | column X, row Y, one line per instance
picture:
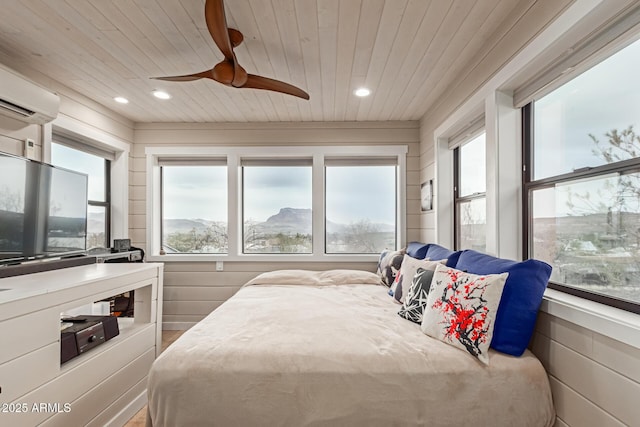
column 525, row 23
column 194, row 289
column 595, row 380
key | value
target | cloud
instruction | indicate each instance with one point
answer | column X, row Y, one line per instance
column 283, row 178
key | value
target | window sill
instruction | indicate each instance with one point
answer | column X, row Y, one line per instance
column 618, row 324
column 352, row 258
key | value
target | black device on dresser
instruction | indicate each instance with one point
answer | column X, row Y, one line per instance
column 85, row 333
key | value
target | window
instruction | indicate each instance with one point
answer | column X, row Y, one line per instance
column 269, row 203
column 360, row 207
column 470, row 194
column 277, row 216
column 194, row 208
column 582, row 181
column 98, row 170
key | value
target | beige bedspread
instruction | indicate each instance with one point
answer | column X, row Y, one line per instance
column 334, row 354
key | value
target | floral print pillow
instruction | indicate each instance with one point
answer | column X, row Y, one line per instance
column 461, row 309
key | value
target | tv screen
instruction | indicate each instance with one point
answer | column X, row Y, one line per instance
column 43, row 210
column 13, row 173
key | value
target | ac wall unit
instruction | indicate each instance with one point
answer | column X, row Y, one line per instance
column 24, row 100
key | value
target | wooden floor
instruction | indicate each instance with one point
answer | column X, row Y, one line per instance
column 139, row 419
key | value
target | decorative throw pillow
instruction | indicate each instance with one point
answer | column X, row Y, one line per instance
column 389, row 265
column 461, row 309
column 417, row 250
column 416, row 298
column 521, row 299
column 409, row 267
column 439, row 252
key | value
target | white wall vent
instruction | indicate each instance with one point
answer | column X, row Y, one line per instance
column 24, row 100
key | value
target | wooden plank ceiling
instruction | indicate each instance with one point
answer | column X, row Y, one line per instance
column 406, row 51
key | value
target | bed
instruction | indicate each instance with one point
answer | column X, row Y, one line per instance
column 303, row 348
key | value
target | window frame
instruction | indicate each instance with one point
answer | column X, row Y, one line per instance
column 249, row 162
column 457, row 178
column 366, row 162
column 234, row 156
column 106, row 204
column 181, row 162
column 529, row 186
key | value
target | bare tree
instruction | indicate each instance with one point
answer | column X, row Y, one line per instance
column 11, row 201
column 616, row 208
column 360, row 236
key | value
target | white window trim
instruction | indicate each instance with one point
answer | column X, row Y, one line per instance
column 612, row 322
column 93, row 137
column 503, row 122
column 467, row 133
column 233, row 156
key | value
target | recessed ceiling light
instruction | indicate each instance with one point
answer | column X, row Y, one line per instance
column 121, row 100
column 161, row 94
column 363, row 91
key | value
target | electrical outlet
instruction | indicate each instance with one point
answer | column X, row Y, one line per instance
column 219, row 266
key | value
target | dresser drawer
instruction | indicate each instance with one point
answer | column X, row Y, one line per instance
column 23, row 334
column 85, row 375
column 23, row 374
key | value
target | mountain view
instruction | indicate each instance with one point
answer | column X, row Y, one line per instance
column 288, row 231
column 598, row 252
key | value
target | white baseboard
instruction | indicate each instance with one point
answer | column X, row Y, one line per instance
column 126, row 413
column 177, row 326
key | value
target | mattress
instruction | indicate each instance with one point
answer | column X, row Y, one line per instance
column 300, row 348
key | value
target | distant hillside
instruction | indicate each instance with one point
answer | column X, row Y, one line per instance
column 286, row 221
column 185, row 225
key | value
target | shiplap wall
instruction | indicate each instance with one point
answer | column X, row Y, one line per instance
column 504, row 44
column 595, row 380
column 194, row 289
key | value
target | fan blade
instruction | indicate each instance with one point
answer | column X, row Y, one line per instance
column 259, row 82
column 217, row 25
column 222, row 36
column 187, row 77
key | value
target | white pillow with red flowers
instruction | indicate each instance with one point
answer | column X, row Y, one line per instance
column 461, row 309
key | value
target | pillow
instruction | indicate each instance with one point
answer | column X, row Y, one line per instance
column 521, row 299
column 389, row 265
column 408, row 269
column 383, row 254
column 417, row 250
column 416, row 298
column 461, row 309
column 439, row 252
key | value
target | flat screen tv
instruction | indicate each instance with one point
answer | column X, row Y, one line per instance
column 43, row 210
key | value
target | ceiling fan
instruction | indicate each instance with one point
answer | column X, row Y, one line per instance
column 228, row 71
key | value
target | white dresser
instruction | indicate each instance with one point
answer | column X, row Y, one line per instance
column 104, row 386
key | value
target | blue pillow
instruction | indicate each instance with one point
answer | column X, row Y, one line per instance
column 521, row 298
column 417, row 250
column 437, row 252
